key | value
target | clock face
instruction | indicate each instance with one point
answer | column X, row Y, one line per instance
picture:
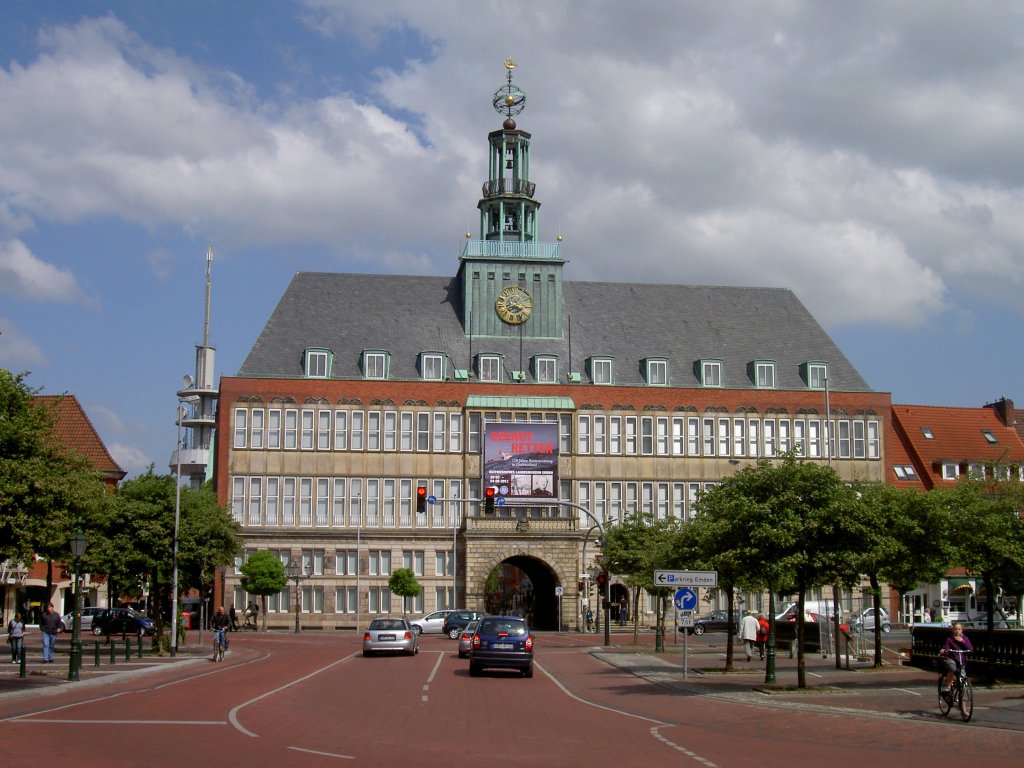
column 514, row 305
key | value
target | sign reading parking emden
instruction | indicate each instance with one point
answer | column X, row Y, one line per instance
column 686, row 578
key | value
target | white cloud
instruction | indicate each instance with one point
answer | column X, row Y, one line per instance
column 133, row 460
column 17, row 350
column 25, row 276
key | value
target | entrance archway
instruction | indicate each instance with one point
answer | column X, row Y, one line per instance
column 524, row 585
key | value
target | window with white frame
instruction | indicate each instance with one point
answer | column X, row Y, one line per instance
column 345, row 562
column 711, row 373
column 601, row 370
column 379, row 599
column 950, row 470
column 1001, row 472
column 291, row 429
column 443, row 563
column 657, row 372
column 380, row 562
column 583, row 434
column 340, row 430
column 256, row 428
column 764, row 374
column 545, row 370
column 241, row 427
column 345, row 600
column 274, row 428
column 316, row 364
column 432, row 366
column 375, row 365
column 412, row 559
column 976, row 471
column 273, row 500
column 905, row 472
column 489, row 368
column 817, row 375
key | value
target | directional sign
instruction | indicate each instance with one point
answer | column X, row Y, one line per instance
column 686, row 578
column 686, row 599
column 431, row 499
column 500, row 501
column 558, row 591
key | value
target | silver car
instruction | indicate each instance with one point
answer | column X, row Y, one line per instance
column 432, row 623
column 391, row 635
column 466, row 639
column 865, row 620
column 87, row 614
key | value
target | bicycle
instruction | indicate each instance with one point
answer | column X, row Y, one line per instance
column 961, row 692
column 220, row 644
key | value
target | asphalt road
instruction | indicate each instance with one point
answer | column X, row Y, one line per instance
column 312, row 700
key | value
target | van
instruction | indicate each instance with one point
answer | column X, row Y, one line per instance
column 813, row 610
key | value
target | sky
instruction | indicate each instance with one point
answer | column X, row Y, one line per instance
column 865, row 155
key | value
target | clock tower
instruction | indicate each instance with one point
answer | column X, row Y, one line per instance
column 511, row 283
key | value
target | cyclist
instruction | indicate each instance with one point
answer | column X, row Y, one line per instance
column 220, row 622
column 952, row 653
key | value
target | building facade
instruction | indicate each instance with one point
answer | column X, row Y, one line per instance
column 362, row 388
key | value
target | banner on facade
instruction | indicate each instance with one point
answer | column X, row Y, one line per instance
column 521, row 460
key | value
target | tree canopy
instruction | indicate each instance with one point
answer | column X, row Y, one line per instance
column 263, row 574
column 403, row 583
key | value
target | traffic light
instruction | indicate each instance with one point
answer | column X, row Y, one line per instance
column 602, row 580
column 489, row 501
column 421, row 499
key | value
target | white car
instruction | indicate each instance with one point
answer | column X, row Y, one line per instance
column 866, row 620
column 87, row 614
column 431, row 624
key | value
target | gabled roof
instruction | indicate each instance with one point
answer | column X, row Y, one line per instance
column 76, row 433
column 627, row 322
column 958, row 436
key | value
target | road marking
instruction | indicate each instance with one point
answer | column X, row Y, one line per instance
column 233, row 714
column 325, row 754
column 655, row 730
column 431, row 676
column 118, row 722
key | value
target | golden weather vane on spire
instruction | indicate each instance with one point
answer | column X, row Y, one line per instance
column 509, row 100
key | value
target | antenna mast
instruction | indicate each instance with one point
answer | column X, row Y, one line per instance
column 206, row 313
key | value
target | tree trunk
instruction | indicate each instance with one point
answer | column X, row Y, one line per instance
column 730, row 594
column 876, row 604
column 801, row 667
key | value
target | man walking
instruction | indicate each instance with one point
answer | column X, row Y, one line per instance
column 49, row 626
column 748, row 633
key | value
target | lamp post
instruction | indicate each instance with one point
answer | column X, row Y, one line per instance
column 78, row 544
column 297, row 573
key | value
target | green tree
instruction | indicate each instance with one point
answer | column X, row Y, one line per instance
column 634, row 550
column 403, row 583
column 263, row 574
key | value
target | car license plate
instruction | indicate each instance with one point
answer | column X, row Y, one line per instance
column 383, row 638
column 503, row 646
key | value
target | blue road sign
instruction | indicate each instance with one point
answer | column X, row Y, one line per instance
column 685, row 599
column 500, row 501
column 431, row 499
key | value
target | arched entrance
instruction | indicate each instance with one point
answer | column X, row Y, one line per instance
column 524, row 585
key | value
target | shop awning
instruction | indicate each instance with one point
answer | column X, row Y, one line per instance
column 958, row 584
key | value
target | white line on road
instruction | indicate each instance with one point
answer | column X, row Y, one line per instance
column 325, row 754
column 431, row 676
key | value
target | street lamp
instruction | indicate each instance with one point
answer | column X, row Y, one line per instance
column 187, row 383
column 78, row 544
column 297, row 573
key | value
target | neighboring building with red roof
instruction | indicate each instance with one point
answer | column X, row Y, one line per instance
column 934, row 447
column 73, row 431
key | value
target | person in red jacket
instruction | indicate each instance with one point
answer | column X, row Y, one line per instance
column 762, row 634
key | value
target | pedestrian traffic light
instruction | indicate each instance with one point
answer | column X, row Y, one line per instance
column 421, row 499
column 489, row 501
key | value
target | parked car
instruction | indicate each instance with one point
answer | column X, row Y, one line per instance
column 67, row 619
column 121, row 621
column 432, row 623
column 716, row 621
column 866, row 620
column 503, row 642
column 456, row 621
column 466, row 639
column 390, row 635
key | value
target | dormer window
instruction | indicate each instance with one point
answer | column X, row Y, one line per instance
column 927, row 432
column 656, row 371
column 600, row 370
column 816, row 375
column 545, row 370
column 432, row 366
column 992, row 440
column 375, row 364
column 317, row 363
column 711, row 373
column 763, row 374
column 488, row 367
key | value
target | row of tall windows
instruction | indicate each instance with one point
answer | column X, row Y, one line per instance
column 342, row 502
column 732, row 436
column 613, row 501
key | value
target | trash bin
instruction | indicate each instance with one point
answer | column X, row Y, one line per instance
column 186, row 620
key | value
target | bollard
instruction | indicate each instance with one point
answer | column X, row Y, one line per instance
column 113, row 658
column 140, row 646
column 96, row 653
column 127, row 648
column 21, row 662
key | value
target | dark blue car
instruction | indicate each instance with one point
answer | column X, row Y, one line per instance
column 501, row 642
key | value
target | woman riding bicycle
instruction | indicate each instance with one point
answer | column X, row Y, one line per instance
column 219, row 623
column 953, row 652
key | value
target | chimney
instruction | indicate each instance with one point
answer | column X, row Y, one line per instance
column 1005, row 411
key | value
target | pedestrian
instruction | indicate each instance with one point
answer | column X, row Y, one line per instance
column 748, row 633
column 589, row 617
column 762, row 634
column 234, row 618
column 16, row 637
column 49, row 627
column 623, row 610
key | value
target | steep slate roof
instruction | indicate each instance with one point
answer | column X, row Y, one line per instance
column 958, row 437
column 76, row 433
column 403, row 315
